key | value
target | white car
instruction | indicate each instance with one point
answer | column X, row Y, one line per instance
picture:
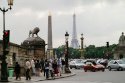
column 76, row 64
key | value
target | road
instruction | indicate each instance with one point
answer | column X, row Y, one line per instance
column 92, row 77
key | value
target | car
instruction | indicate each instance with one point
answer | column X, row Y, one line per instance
column 91, row 65
column 104, row 62
column 116, row 64
column 76, row 64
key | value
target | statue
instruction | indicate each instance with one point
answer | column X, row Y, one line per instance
column 34, row 31
column 122, row 40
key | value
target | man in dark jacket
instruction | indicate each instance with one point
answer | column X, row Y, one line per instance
column 17, row 71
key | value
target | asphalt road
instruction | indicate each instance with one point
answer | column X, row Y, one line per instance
column 92, row 77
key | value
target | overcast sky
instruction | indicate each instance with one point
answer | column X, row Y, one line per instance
column 99, row 20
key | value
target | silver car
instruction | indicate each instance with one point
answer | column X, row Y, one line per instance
column 76, row 64
column 116, row 64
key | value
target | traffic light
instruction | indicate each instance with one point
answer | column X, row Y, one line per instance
column 107, row 44
column 6, row 37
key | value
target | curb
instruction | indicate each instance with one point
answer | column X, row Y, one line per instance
column 66, row 76
column 58, row 77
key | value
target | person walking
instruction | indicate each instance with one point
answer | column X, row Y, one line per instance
column 28, row 67
column 37, row 67
column 55, row 67
column 63, row 66
column 42, row 62
column 17, row 71
column 33, row 67
column 51, row 70
column 42, row 65
column 47, row 69
column 59, row 63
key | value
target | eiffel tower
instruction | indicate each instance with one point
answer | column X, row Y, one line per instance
column 74, row 41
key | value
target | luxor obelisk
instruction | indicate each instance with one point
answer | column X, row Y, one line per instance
column 50, row 43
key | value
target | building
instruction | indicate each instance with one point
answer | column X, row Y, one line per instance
column 16, row 53
column 32, row 47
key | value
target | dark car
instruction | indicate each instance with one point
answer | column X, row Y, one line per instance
column 104, row 62
column 93, row 66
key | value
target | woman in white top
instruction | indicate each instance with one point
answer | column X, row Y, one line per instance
column 33, row 67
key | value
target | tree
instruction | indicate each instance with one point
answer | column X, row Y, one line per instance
column 90, row 52
column 99, row 52
column 73, row 53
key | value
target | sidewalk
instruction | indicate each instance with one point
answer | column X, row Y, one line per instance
column 37, row 79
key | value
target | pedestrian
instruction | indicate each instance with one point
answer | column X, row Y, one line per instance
column 17, row 71
column 37, row 67
column 42, row 65
column 28, row 67
column 55, row 67
column 59, row 63
column 47, row 69
column 33, row 67
column 51, row 70
column 63, row 66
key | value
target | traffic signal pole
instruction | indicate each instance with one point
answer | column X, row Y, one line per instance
column 4, row 68
column 107, row 52
column 4, row 72
column 4, row 75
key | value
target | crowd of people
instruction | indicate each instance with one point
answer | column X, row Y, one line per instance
column 48, row 67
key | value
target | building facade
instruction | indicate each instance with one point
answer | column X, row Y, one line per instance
column 31, row 48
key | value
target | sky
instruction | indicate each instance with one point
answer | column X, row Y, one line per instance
column 99, row 20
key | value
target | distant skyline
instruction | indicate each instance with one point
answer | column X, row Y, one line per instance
column 99, row 20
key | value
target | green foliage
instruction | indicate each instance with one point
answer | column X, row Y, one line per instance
column 73, row 53
column 99, row 52
column 60, row 51
column 90, row 52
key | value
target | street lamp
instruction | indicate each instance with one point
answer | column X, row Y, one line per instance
column 82, row 41
column 82, row 45
column 4, row 73
column 67, row 70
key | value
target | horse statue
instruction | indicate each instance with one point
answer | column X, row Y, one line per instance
column 34, row 31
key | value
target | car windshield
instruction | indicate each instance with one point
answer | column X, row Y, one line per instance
column 79, row 62
column 93, row 62
column 121, row 62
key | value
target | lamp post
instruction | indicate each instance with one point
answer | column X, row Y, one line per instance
column 67, row 70
column 82, row 45
column 4, row 74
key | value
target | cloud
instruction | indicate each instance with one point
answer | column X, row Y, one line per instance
column 24, row 12
column 79, row 10
column 28, row 12
column 41, row 14
column 97, row 19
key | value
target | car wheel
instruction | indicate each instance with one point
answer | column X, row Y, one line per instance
column 120, row 69
column 109, row 68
